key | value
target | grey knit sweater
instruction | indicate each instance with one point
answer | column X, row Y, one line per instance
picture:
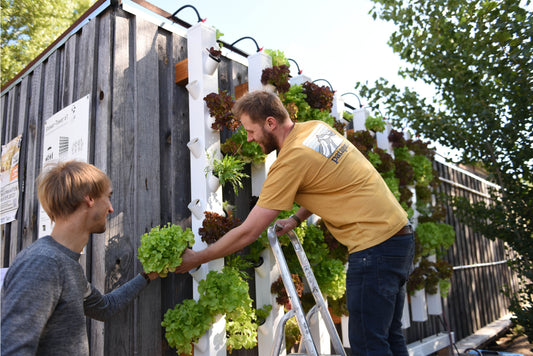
column 45, row 297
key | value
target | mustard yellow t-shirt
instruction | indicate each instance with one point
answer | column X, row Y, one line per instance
column 323, row 172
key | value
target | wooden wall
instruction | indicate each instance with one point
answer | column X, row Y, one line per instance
column 139, row 130
column 475, row 298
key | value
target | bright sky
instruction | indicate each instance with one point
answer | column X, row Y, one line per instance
column 336, row 40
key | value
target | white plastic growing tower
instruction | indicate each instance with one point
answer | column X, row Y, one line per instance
column 204, row 142
column 268, row 272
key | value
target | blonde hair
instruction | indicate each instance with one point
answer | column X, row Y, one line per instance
column 63, row 186
column 259, row 105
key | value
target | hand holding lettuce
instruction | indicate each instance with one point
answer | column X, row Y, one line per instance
column 161, row 248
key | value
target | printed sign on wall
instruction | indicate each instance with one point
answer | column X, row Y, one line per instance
column 66, row 137
column 9, row 180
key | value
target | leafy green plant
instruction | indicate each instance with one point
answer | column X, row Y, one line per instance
column 278, row 57
column 330, row 275
column 338, row 306
column 224, row 292
column 434, row 238
column 278, row 288
column 396, row 139
column 335, row 248
column 229, row 169
column 185, row 324
column 339, row 127
column 220, row 106
column 362, row 140
column 318, row 97
column 241, row 329
column 238, row 146
column 404, row 172
column 422, row 169
column 262, row 313
column 430, row 276
column 214, row 226
column 375, row 123
column 215, row 53
column 295, row 101
column 347, row 116
column 278, row 76
column 161, row 248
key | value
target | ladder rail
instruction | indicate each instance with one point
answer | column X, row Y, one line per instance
column 317, row 294
column 292, row 293
column 308, row 343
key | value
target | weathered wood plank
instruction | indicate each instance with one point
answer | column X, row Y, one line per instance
column 11, row 132
column 102, row 147
column 147, row 153
column 34, row 150
column 69, row 72
column 175, row 163
column 118, row 337
column 22, row 113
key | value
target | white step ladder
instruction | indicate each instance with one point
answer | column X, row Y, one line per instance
column 307, row 347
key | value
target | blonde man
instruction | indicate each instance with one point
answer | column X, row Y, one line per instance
column 45, row 294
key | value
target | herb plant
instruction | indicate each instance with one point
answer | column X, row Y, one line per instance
column 161, row 248
column 229, row 169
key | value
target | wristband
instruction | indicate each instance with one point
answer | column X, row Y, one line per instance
column 145, row 275
column 297, row 219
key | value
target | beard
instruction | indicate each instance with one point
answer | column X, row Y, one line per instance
column 269, row 144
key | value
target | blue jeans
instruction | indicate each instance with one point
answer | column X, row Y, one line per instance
column 375, row 284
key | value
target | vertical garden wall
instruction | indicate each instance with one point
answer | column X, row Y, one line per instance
column 141, row 119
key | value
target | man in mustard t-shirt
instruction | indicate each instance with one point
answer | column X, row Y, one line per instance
column 327, row 176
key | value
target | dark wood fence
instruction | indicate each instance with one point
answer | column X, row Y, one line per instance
column 480, row 269
column 139, row 130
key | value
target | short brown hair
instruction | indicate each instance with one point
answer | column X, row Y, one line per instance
column 62, row 187
column 259, row 105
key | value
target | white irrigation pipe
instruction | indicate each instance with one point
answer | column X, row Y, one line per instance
column 480, row 265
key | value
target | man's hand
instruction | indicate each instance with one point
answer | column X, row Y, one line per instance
column 189, row 262
column 285, row 225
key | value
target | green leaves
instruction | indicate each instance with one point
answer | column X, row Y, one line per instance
column 224, row 292
column 161, row 248
column 229, row 169
column 238, row 146
column 185, row 324
column 434, row 238
column 28, row 27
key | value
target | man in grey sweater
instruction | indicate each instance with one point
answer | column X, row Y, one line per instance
column 45, row 294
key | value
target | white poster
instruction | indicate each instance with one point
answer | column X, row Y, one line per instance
column 66, row 137
column 9, row 180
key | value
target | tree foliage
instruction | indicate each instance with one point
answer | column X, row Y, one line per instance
column 477, row 54
column 29, row 26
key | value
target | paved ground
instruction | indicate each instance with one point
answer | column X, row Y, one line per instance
column 511, row 343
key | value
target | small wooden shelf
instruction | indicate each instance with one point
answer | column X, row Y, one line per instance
column 240, row 90
column 181, row 72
